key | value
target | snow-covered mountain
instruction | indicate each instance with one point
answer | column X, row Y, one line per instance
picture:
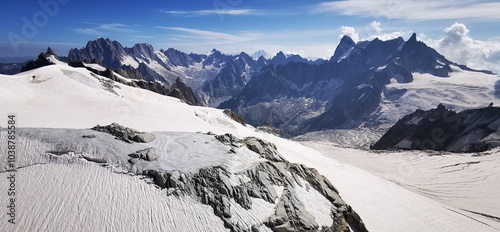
column 259, row 53
column 215, row 77
column 198, row 171
column 369, row 83
column 235, row 180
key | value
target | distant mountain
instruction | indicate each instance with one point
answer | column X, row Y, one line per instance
column 349, row 90
column 442, row 129
column 214, row 76
column 15, row 60
column 281, row 59
column 44, row 59
column 260, row 53
column 11, row 68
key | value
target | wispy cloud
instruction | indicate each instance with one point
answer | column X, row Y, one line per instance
column 216, row 12
column 106, row 29
column 212, row 36
column 414, row 10
column 308, row 43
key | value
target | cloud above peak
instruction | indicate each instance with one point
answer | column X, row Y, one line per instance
column 374, row 30
column 458, row 46
column 349, row 31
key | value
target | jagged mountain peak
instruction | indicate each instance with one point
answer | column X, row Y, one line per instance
column 215, row 52
column 244, row 54
column 169, row 50
column 413, row 38
column 347, row 92
column 343, row 49
column 103, row 41
column 280, row 54
column 50, row 52
column 142, row 49
column 143, row 45
column 347, row 40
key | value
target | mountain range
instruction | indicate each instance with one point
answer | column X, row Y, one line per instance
column 215, row 77
column 354, row 88
column 108, row 128
column 347, row 91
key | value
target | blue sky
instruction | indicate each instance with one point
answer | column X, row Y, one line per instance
column 310, row 28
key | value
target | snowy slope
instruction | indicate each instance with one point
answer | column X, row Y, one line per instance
column 53, row 201
column 65, row 97
column 466, row 184
column 462, row 90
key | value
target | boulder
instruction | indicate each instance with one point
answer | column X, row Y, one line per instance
column 266, row 149
column 148, row 154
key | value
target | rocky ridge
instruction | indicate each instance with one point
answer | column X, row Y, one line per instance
column 248, row 184
column 213, row 186
column 441, row 129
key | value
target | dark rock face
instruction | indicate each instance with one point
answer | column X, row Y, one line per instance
column 151, row 86
column 234, row 116
column 441, row 129
column 343, row 49
column 178, row 89
column 213, row 187
column 41, row 61
column 181, row 91
column 125, row 134
column 105, row 51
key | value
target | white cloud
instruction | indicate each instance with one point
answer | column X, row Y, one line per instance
column 87, row 31
column 106, row 29
column 458, row 46
column 419, row 10
column 375, row 30
column 376, row 26
column 349, row 31
column 211, row 36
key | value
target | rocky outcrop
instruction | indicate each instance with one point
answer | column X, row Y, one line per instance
column 265, row 149
column 442, row 129
column 125, row 134
column 182, row 91
column 41, row 61
column 177, row 90
column 234, row 116
column 217, row 187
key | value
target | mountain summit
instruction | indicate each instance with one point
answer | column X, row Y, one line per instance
column 353, row 88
